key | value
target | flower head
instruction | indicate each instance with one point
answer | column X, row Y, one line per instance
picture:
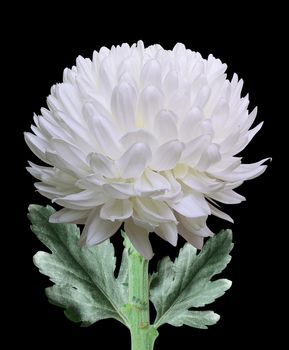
column 146, row 137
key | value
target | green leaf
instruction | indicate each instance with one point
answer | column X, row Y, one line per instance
column 196, row 319
column 84, row 281
column 186, row 283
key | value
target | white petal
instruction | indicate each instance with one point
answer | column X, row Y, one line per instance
column 123, row 105
column 202, row 97
column 194, row 149
column 84, row 66
column 253, row 132
column 101, row 164
column 233, row 185
column 220, row 115
column 52, row 102
column 179, row 50
column 128, row 71
column 97, row 230
column 175, row 192
column 116, row 209
column 192, row 224
column 40, row 133
column 153, row 211
column 151, row 73
column 226, row 169
column 138, row 135
column 65, row 98
column 209, row 157
column 245, row 139
column 195, row 240
column 228, row 143
column 102, row 54
column 134, row 160
column 91, row 182
column 220, row 214
column 148, row 226
column 202, row 183
column 49, row 191
column 37, row 145
column 250, row 171
column 59, row 162
column 151, row 183
column 38, row 171
column 204, row 232
column 171, row 82
column 68, row 215
column 107, row 75
column 59, row 179
column 193, row 205
column 139, row 239
column 68, row 100
column 169, row 232
column 250, row 119
column 180, row 171
column 82, row 200
column 34, row 172
column 227, row 196
column 236, row 87
column 197, row 226
column 204, row 127
column 105, row 134
column 165, row 126
column 120, row 190
column 167, row 155
column 151, row 101
column 240, row 172
column 50, row 129
column 70, row 153
column 77, row 131
column 96, row 105
column 179, row 102
column 189, row 123
column 176, row 187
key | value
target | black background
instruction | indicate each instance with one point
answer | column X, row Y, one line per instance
column 39, row 52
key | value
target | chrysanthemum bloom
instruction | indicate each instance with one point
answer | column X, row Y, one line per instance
column 146, row 137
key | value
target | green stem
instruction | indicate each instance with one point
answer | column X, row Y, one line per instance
column 143, row 335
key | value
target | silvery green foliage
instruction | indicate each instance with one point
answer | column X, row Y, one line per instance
column 86, row 287
column 186, row 283
column 84, row 282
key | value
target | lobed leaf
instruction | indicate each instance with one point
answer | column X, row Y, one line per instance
column 84, row 281
column 186, row 283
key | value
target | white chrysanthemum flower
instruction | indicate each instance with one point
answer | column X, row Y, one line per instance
column 146, row 137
